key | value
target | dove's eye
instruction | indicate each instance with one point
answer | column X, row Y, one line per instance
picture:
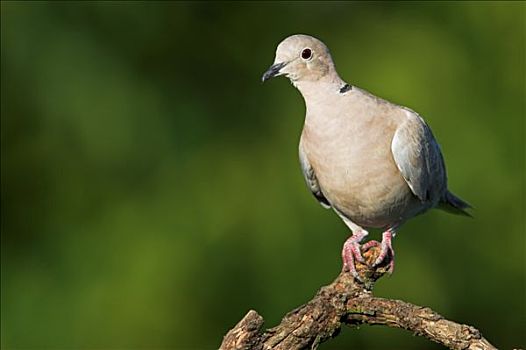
column 306, row 54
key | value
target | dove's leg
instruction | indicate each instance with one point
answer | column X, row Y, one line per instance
column 351, row 252
column 351, row 248
column 386, row 249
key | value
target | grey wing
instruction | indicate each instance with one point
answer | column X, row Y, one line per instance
column 311, row 180
column 418, row 157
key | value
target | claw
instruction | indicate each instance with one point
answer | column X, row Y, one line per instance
column 386, row 251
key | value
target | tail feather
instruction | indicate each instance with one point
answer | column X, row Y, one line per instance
column 453, row 204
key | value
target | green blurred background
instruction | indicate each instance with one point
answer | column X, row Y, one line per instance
column 151, row 192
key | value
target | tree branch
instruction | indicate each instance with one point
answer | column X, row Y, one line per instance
column 350, row 302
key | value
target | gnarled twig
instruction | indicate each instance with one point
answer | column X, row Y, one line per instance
column 347, row 301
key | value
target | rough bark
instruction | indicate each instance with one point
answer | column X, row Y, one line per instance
column 348, row 301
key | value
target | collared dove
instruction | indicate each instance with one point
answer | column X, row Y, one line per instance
column 376, row 164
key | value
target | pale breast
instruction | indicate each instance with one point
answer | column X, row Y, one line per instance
column 351, row 156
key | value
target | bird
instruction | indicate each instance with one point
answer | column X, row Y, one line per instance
column 376, row 164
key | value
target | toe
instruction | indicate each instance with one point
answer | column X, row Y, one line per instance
column 349, row 259
column 357, row 253
column 386, row 248
column 384, row 253
column 391, row 267
column 370, row 244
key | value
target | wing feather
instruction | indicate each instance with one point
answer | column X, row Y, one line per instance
column 311, row 180
column 419, row 159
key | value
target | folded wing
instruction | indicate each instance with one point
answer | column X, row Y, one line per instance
column 419, row 159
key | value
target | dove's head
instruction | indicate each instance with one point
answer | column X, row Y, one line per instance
column 301, row 58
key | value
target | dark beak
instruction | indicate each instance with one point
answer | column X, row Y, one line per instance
column 272, row 71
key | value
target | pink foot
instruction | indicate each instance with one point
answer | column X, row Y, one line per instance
column 386, row 250
column 351, row 252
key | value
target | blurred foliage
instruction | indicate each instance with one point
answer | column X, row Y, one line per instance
column 151, row 192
